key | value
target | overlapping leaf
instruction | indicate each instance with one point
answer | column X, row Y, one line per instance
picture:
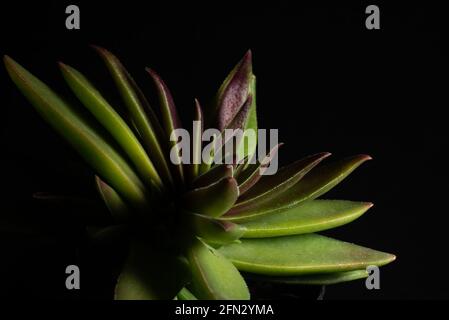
column 313, row 185
column 307, row 217
column 213, row 200
column 215, row 174
column 215, row 277
column 170, row 118
column 151, row 274
column 301, row 254
column 270, row 186
column 215, row 231
column 91, row 145
column 141, row 113
column 111, row 120
column 255, row 171
column 233, row 92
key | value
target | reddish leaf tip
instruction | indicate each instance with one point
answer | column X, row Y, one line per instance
column 156, row 78
column 6, row 58
column 9, row 62
column 151, row 71
column 98, row 48
column 364, row 157
column 369, row 205
column 248, row 56
column 62, row 65
column 101, row 51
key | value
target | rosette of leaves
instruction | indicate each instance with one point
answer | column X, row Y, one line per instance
column 198, row 231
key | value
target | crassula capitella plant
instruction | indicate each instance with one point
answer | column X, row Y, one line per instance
column 199, row 231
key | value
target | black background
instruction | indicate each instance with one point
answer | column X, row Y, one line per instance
column 324, row 80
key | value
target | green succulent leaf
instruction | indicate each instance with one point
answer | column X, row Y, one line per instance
column 115, row 204
column 215, row 231
column 185, row 294
column 213, row 200
column 271, row 186
column 316, row 183
column 316, row 279
column 215, row 277
column 151, row 274
column 111, row 120
column 301, row 254
column 251, row 123
column 233, row 92
column 214, row 175
column 307, row 217
column 170, row 117
column 142, row 115
column 255, row 171
column 97, row 152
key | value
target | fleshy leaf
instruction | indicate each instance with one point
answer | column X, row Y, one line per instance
column 301, row 254
column 315, row 279
column 170, row 117
column 307, row 217
column 115, row 204
column 247, row 148
column 111, row 120
column 213, row 200
column 185, row 294
column 233, row 92
column 151, row 274
column 141, row 113
column 316, row 183
column 255, row 171
column 215, row 277
column 107, row 162
column 215, row 174
column 270, row 186
column 240, row 119
column 215, row 231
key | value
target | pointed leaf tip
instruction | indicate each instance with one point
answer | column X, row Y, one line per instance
column 84, row 136
column 170, row 118
column 144, row 118
column 234, row 92
column 313, row 253
column 248, row 57
column 6, row 58
column 313, row 185
column 307, row 217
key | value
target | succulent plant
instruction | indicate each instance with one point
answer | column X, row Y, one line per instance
column 198, row 231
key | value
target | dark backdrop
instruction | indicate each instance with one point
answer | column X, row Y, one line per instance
column 324, row 80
